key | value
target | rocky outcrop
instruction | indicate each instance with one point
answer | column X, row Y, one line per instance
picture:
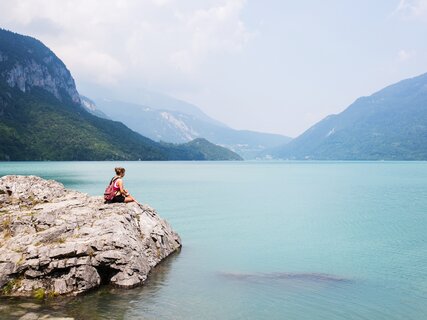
column 55, row 241
column 56, row 79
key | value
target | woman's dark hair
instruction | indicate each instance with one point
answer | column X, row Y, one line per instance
column 119, row 170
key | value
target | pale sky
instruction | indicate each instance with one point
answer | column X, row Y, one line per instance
column 268, row 65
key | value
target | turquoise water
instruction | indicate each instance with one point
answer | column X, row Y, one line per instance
column 268, row 240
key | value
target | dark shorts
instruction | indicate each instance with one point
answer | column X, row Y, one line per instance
column 119, row 198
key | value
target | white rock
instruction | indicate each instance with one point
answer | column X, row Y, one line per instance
column 69, row 242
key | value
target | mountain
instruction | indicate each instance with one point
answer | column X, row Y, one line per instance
column 208, row 150
column 144, row 97
column 391, row 124
column 179, row 127
column 162, row 101
column 42, row 117
column 90, row 107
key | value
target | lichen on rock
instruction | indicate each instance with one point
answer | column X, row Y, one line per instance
column 64, row 242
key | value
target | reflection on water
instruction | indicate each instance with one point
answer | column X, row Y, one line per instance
column 105, row 303
column 114, row 303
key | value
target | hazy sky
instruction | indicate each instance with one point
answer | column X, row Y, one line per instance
column 268, row 65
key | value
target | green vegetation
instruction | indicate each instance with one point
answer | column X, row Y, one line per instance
column 388, row 125
column 38, row 127
column 154, row 123
column 6, row 227
column 39, row 293
column 210, row 151
column 9, row 286
column 35, row 125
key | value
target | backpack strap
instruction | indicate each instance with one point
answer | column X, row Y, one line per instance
column 114, row 179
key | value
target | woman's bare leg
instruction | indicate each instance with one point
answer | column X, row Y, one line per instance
column 129, row 199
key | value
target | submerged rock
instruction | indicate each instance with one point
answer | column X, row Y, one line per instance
column 302, row 276
column 55, row 241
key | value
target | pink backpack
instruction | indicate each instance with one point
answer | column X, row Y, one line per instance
column 109, row 192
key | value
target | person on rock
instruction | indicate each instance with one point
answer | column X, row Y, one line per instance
column 122, row 195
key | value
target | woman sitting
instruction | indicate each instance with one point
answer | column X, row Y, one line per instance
column 121, row 194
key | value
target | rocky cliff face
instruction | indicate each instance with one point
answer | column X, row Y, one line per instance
column 55, row 241
column 31, row 74
column 25, row 63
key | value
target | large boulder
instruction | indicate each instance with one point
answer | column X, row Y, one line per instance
column 55, row 241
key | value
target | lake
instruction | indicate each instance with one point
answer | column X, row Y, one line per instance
column 265, row 240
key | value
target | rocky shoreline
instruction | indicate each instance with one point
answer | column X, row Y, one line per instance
column 55, row 241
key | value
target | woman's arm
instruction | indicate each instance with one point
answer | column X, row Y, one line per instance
column 122, row 190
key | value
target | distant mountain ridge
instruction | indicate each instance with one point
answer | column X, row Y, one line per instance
column 178, row 127
column 161, row 101
column 42, row 116
column 391, row 124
